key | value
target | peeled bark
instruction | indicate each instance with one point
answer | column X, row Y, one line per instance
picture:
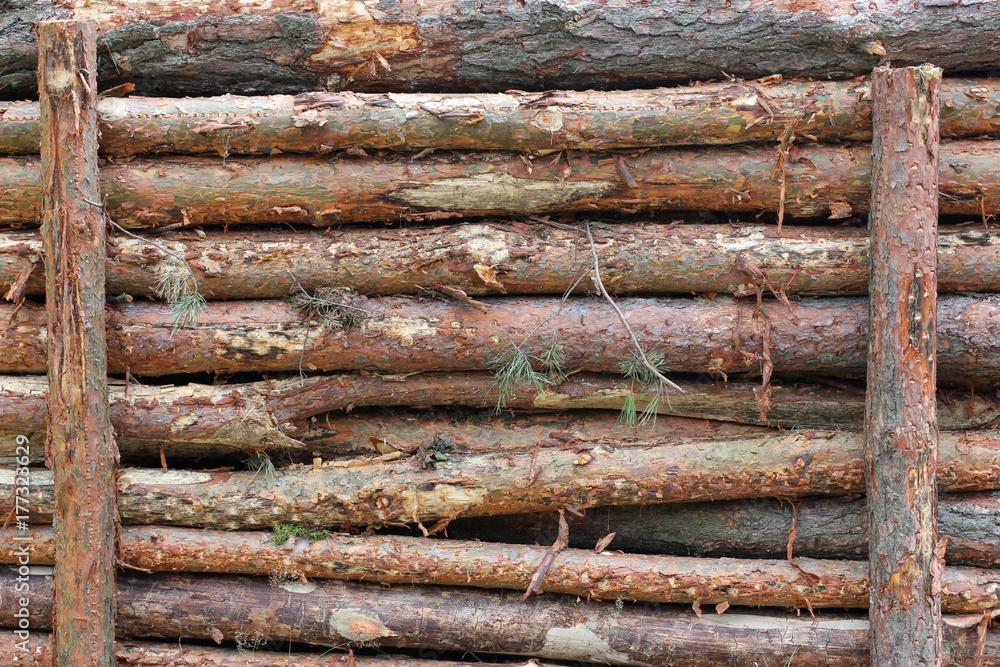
column 824, row 528
column 603, row 576
column 186, row 48
column 820, row 180
column 401, row 335
column 304, row 418
column 80, row 446
column 319, row 122
column 395, row 489
column 637, row 258
column 133, row 653
column 558, row 628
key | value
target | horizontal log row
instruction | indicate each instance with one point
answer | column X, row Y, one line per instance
column 807, row 583
column 535, row 259
column 329, row 613
column 197, row 48
column 833, row 527
column 404, row 335
column 819, row 180
column 200, row 420
column 713, row 114
column 581, row 474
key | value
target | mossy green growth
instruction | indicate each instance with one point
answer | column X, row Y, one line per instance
column 283, row 531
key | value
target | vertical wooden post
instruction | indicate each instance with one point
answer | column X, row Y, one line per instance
column 79, row 446
column 900, row 418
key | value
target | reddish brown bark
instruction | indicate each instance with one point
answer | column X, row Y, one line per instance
column 585, row 473
column 714, row 113
column 606, row 576
column 536, row 259
column 820, row 180
column 80, row 445
column 553, row 627
column 401, row 335
column 825, row 528
column 901, row 430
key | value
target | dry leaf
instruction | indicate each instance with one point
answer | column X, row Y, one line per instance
column 489, row 276
column 721, row 607
column 696, row 607
column 603, row 543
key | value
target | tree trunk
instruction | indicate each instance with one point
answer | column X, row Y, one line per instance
column 808, row 584
column 299, row 418
column 819, row 180
column 185, row 48
column 402, row 335
column 582, row 474
column 901, row 429
column 80, row 446
column 558, row 627
column 824, row 528
column 133, row 653
column 715, row 114
column 637, row 258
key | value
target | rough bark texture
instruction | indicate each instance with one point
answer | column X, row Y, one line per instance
column 719, row 113
column 536, row 259
column 824, row 528
column 403, row 335
column 609, row 575
column 164, row 654
column 900, row 419
column 186, row 48
column 554, row 627
column 584, row 473
column 79, row 445
column 820, row 180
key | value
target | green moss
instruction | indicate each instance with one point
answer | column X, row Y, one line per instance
column 283, row 531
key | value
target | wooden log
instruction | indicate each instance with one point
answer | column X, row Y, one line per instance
column 402, row 335
column 300, row 418
column 824, row 528
column 901, row 429
column 637, row 258
column 713, row 114
column 132, row 653
column 604, row 576
column 185, row 48
column 820, row 180
column 80, row 444
column 395, row 488
column 329, row 613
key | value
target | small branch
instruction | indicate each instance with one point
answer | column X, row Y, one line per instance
column 562, row 541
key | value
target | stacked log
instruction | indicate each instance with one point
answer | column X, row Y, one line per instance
column 325, row 454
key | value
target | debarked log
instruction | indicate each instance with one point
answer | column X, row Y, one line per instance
column 809, row 583
column 712, row 114
column 535, row 259
column 37, row 652
column 212, row 47
column 750, row 528
column 404, row 335
column 340, row 614
column 313, row 417
column 819, row 180
column 584, row 474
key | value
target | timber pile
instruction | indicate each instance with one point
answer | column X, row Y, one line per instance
column 583, row 371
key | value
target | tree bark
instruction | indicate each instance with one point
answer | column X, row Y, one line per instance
column 901, row 430
column 558, row 627
column 806, row 584
column 824, row 528
column 403, row 335
column 715, row 114
column 299, row 418
column 637, row 258
column 585, row 473
column 820, row 180
column 80, row 445
column 185, row 48
column 133, row 653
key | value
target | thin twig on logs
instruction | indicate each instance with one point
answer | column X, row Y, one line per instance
column 562, row 541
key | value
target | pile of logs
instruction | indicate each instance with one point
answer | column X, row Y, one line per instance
column 337, row 460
